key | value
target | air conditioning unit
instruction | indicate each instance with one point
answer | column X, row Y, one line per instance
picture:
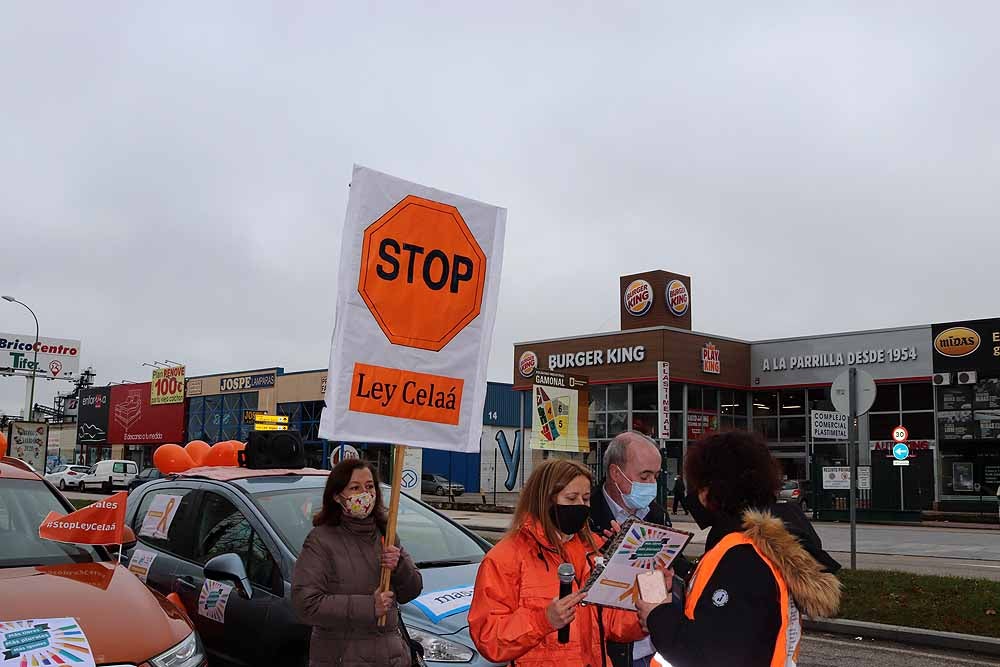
column 942, row 379
column 967, row 377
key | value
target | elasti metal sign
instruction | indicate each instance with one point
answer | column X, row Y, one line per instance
column 57, row 357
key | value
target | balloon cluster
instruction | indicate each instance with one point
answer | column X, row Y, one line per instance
column 196, row 454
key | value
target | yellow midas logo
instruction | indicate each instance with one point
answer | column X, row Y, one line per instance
column 957, row 342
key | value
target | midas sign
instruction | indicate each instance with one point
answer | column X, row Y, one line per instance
column 167, row 386
column 422, row 273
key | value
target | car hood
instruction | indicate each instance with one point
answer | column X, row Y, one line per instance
column 441, row 579
column 124, row 621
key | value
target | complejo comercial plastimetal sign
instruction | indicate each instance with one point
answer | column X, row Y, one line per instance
column 57, row 357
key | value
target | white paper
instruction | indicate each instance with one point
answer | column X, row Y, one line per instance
column 161, row 513
column 141, row 563
column 213, row 600
column 439, row 605
column 358, row 338
column 33, row 641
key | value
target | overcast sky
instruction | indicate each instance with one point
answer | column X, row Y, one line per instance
column 174, row 175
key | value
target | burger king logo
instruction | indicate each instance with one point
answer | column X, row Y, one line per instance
column 957, row 342
column 527, row 363
column 678, row 298
column 638, row 298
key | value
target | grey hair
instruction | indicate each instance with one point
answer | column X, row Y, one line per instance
column 617, row 451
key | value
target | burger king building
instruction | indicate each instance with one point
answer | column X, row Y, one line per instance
column 928, row 381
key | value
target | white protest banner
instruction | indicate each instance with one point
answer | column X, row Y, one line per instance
column 419, row 275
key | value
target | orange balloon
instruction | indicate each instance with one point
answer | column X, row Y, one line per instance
column 198, row 450
column 172, row 458
column 3, row 445
column 222, row 454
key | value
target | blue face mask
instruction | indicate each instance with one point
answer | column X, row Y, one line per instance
column 641, row 495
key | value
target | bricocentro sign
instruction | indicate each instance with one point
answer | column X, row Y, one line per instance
column 57, row 357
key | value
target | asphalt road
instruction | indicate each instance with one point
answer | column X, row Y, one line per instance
column 831, row 651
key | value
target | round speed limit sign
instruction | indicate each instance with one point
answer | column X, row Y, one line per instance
column 900, row 434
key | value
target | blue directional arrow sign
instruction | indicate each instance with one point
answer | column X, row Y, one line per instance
column 901, row 451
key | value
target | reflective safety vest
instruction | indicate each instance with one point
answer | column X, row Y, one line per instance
column 786, row 649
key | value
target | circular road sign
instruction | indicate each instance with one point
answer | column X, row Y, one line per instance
column 422, row 273
column 900, row 434
column 410, row 478
column 349, row 453
column 901, row 452
column 865, row 396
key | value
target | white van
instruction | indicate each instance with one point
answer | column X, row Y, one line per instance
column 108, row 475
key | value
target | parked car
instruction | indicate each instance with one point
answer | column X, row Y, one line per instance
column 263, row 517
column 67, row 477
column 147, row 475
column 796, row 490
column 109, row 475
column 124, row 622
column 440, row 485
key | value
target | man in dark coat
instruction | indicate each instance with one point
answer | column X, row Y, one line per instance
column 679, row 492
column 631, row 467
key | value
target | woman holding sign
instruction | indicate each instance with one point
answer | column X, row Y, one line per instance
column 336, row 580
column 763, row 565
column 516, row 612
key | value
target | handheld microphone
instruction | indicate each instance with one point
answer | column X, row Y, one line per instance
column 566, row 576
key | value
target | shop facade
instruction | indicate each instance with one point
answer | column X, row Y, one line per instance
column 941, row 382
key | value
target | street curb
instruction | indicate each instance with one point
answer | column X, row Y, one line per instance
column 904, row 635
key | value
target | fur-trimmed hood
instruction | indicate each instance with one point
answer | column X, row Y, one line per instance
column 816, row 592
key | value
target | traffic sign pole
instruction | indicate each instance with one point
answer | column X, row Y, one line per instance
column 852, row 461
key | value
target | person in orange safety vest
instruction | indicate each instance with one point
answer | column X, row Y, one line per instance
column 516, row 611
column 763, row 566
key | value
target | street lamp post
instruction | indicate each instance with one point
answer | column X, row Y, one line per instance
column 34, row 365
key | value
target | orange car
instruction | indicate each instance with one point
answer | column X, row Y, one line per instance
column 66, row 604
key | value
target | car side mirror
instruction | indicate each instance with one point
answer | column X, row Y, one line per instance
column 229, row 568
column 129, row 540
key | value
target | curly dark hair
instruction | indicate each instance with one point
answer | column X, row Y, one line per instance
column 737, row 469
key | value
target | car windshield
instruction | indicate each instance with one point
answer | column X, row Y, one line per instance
column 790, row 486
column 24, row 503
column 427, row 536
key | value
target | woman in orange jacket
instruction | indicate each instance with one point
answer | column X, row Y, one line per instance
column 516, row 610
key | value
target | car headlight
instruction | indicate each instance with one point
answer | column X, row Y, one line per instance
column 188, row 653
column 439, row 649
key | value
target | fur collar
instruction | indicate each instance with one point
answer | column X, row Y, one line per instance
column 816, row 593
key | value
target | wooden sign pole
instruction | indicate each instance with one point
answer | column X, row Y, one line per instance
column 398, row 458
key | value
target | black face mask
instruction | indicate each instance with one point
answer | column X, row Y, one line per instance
column 701, row 514
column 569, row 519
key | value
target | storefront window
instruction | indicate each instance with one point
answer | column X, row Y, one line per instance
column 617, row 423
column 694, row 398
column 765, row 404
column 645, row 422
column 617, row 398
column 918, row 396
column 733, row 403
column 766, row 428
column 886, row 398
column 793, row 402
column 676, row 397
column 710, row 399
column 217, row 418
column 303, row 417
column 644, row 396
column 792, row 429
column 598, row 426
column 598, row 398
column 919, row 424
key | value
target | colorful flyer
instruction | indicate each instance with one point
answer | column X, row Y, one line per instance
column 160, row 515
column 213, row 600
column 639, row 547
column 141, row 563
column 44, row 641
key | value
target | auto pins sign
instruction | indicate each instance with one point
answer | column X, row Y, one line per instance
column 416, row 306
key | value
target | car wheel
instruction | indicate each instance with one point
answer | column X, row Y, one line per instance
column 62, row 485
column 441, row 492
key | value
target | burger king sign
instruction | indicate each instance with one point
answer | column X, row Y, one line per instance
column 678, row 298
column 638, row 298
column 527, row 363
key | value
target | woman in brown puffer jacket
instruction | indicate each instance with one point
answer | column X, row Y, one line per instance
column 336, row 580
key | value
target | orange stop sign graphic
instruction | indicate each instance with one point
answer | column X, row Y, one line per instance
column 422, row 273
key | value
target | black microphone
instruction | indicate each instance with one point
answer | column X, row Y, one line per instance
column 566, row 576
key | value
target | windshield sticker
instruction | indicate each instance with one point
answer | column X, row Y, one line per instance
column 44, row 641
column 439, row 605
column 141, row 563
column 213, row 599
column 160, row 515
